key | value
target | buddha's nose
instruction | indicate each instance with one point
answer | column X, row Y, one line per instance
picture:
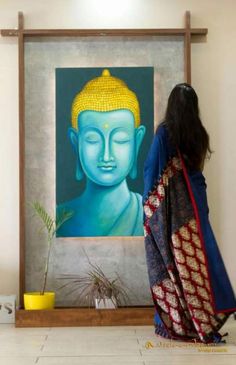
column 107, row 152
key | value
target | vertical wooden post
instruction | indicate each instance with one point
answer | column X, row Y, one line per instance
column 187, row 47
column 21, row 153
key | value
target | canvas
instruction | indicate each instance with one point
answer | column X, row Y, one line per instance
column 104, row 125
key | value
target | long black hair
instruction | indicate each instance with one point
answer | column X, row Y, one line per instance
column 185, row 129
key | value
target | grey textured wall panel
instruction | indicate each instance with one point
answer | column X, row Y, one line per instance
column 126, row 255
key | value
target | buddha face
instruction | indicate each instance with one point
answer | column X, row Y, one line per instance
column 107, row 145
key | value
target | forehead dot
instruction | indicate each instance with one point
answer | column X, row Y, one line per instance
column 106, row 125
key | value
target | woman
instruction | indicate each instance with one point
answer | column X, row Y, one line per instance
column 191, row 291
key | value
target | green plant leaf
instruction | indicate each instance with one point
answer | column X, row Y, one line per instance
column 51, row 225
column 62, row 217
column 44, row 216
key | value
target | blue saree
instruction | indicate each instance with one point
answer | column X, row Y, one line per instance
column 191, row 291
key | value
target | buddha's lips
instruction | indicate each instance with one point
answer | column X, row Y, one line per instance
column 107, row 167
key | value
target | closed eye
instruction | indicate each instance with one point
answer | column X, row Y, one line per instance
column 92, row 138
column 92, row 141
column 121, row 141
column 121, row 137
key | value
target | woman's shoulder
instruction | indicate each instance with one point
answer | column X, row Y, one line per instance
column 162, row 137
column 160, row 134
column 161, row 129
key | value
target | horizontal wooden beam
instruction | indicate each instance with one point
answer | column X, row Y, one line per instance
column 75, row 317
column 101, row 32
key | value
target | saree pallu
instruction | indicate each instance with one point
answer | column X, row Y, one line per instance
column 191, row 291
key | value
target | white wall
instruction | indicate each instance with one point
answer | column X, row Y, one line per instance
column 213, row 76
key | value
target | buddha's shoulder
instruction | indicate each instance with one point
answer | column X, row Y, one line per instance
column 137, row 198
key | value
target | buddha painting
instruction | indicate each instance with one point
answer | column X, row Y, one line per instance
column 106, row 135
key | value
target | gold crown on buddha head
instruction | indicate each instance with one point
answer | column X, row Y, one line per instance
column 105, row 93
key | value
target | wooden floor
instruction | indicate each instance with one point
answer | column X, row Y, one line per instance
column 123, row 345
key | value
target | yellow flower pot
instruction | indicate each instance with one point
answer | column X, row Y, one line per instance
column 36, row 301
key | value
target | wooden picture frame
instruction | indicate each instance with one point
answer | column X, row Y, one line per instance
column 124, row 316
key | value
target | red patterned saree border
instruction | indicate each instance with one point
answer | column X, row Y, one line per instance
column 201, row 236
column 157, row 194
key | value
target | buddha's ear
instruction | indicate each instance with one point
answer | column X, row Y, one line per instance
column 73, row 135
column 139, row 134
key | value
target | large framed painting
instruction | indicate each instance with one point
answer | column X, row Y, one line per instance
column 104, row 127
column 89, row 103
column 92, row 106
